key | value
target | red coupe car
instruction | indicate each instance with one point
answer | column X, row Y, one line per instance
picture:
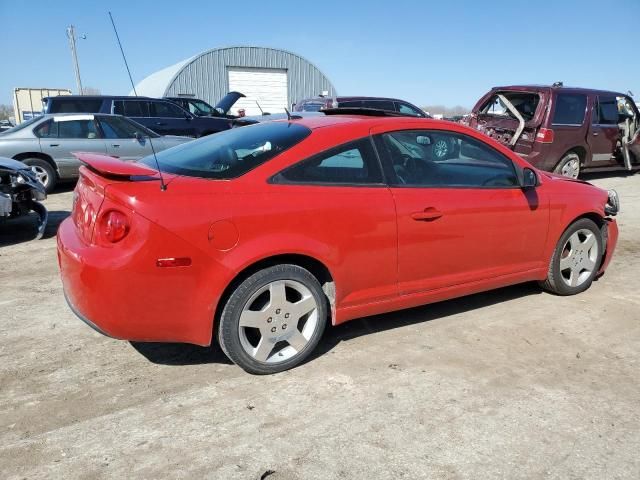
column 262, row 235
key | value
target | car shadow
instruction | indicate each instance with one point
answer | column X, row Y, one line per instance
column 587, row 176
column 25, row 229
column 184, row 354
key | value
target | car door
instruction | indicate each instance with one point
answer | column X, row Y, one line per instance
column 604, row 132
column 124, row 139
column 338, row 198
column 170, row 119
column 63, row 135
column 463, row 218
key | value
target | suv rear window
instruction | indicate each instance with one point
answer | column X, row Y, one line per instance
column 524, row 102
column 570, row 109
column 74, row 105
column 231, row 153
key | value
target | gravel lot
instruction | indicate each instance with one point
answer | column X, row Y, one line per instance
column 513, row 383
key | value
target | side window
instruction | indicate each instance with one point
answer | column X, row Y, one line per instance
column 379, row 104
column 75, row 105
column 607, row 111
column 77, row 129
column 432, row 158
column 116, row 127
column 47, row 129
column 351, row 104
column 131, row 108
column 408, row 110
column 351, row 163
column 166, row 110
column 569, row 109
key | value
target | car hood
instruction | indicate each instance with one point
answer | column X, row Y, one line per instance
column 229, row 101
column 562, row 178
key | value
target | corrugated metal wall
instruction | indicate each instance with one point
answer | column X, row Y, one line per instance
column 206, row 76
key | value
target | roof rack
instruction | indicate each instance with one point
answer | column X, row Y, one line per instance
column 371, row 112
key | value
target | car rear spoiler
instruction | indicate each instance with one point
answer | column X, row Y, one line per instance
column 108, row 166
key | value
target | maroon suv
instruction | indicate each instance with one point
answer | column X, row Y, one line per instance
column 560, row 129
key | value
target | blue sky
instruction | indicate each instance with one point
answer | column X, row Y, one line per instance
column 427, row 52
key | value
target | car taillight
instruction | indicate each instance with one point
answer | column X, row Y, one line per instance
column 114, row 226
column 544, row 135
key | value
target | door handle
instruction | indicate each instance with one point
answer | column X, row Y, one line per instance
column 595, row 134
column 427, row 215
column 116, row 145
column 160, row 123
column 54, row 144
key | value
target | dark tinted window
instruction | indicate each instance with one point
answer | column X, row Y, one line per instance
column 118, row 127
column 350, row 104
column 166, row 110
column 230, row 153
column 354, row 162
column 607, row 111
column 379, row 104
column 569, row 109
column 430, row 158
column 131, row 108
column 77, row 129
column 48, row 129
column 74, row 105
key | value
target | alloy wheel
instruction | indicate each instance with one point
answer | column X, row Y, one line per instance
column 571, row 169
column 278, row 321
column 578, row 258
column 41, row 174
column 440, row 149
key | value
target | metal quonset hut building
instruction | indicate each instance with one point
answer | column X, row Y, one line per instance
column 274, row 78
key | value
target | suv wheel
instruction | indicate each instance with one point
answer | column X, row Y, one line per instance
column 569, row 166
column 576, row 259
column 273, row 320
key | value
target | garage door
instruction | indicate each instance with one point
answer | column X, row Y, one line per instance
column 266, row 85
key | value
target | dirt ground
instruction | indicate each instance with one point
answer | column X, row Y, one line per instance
column 513, row 383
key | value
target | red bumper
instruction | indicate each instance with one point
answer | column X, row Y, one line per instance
column 612, row 241
column 121, row 292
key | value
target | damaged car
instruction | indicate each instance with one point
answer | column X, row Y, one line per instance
column 561, row 129
column 21, row 193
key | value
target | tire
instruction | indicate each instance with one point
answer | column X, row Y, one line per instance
column 576, row 259
column 568, row 166
column 256, row 329
column 441, row 148
column 44, row 171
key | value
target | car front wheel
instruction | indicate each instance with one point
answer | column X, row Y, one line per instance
column 576, row 259
column 273, row 320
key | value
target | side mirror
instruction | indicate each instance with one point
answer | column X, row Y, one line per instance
column 529, row 179
column 138, row 136
column 423, row 140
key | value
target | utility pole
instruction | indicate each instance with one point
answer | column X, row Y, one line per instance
column 71, row 35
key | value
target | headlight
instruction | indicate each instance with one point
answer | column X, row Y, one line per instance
column 613, row 203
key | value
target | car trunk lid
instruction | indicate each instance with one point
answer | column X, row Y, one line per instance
column 229, row 101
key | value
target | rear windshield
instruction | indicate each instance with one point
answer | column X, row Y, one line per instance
column 525, row 103
column 231, row 153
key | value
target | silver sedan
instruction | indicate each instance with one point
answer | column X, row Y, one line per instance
column 47, row 143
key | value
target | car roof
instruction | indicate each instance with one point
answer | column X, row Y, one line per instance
column 547, row 88
column 320, row 121
column 102, row 97
column 342, row 98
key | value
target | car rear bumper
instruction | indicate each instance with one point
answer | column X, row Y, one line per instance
column 121, row 293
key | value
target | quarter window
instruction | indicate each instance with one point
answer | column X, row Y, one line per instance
column 431, row 158
column 569, row 109
column 48, row 129
column 351, row 163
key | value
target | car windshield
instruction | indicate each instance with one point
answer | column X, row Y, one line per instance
column 22, row 125
column 231, row 153
column 312, row 107
column 525, row 103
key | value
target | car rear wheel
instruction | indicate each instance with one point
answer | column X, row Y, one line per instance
column 273, row 320
column 569, row 166
column 576, row 259
column 45, row 173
